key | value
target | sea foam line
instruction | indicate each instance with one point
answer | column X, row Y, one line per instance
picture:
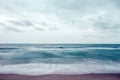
column 47, row 68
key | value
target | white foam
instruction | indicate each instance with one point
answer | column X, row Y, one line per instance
column 103, row 48
column 81, row 49
column 47, row 68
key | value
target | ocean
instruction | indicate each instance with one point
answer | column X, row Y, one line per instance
column 41, row 59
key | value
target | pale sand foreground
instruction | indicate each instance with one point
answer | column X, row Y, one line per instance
column 61, row 77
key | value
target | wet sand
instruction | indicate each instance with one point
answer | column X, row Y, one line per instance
column 61, row 77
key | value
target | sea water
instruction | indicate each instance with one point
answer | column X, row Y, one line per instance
column 41, row 59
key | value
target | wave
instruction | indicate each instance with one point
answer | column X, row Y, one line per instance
column 47, row 68
column 7, row 48
column 56, row 56
column 58, row 48
column 60, row 59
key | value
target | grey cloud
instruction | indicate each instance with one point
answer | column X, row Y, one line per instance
column 105, row 24
column 2, row 24
column 81, row 5
column 50, row 27
column 22, row 23
column 53, row 28
column 12, row 29
column 20, row 6
column 39, row 29
column 72, row 4
column 45, row 26
column 117, row 3
column 90, row 35
column 27, row 22
column 43, row 23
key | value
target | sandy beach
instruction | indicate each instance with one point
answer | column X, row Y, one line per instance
column 61, row 77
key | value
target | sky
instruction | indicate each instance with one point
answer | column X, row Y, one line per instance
column 60, row 21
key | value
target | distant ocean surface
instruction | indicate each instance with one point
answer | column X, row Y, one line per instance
column 40, row 59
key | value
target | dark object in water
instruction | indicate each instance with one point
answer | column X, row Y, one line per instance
column 61, row 47
column 115, row 47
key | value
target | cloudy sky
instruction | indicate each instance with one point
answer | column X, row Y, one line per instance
column 59, row 21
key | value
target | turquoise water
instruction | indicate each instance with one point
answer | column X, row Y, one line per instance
column 77, row 58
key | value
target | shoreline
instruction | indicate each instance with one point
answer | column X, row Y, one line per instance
column 61, row 77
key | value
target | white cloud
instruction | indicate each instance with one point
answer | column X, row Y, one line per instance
column 67, row 21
